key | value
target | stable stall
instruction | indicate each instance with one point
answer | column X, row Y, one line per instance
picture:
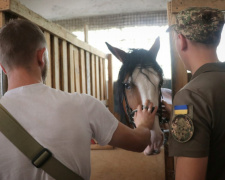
column 75, row 66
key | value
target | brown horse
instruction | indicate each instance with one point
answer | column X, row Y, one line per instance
column 140, row 78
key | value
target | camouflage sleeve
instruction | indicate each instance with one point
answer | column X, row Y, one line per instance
column 190, row 130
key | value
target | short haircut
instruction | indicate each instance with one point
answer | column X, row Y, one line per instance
column 19, row 40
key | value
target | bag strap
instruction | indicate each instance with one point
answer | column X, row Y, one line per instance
column 39, row 156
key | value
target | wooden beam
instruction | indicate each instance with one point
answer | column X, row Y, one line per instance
column 179, row 5
column 88, row 72
column 110, row 85
column 93, row 76
column 104, row 80
column 83, row 72
column 97, row 77
column 4, row 79
column 56, row 63
column 71, row 69
column 64, row 66
column 4, row 5
column 17, row 8
column 86, row 33
column 179, row 73
column 101, row 79
column 49, row 64
column 77, row 70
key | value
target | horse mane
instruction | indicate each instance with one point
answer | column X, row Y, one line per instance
column 135, row 58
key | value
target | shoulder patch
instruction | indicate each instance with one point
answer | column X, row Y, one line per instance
column 181, row 109
column 182, row 128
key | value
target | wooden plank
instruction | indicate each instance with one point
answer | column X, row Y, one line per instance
column 104, row 80
column 110, row 84
column 179, row 73
column 101, row 79
column 48, row 81
column 93, row 76
column 56, row 63
column 4, row 79
column 4, row 4
column 86, row 33
column 169, row 13
column 64, row 66
column 88, row 72
column 97, row 78
column 77, row 70
column 19, row 9
column 179, row 5
column 71, row 69
column 83, row 72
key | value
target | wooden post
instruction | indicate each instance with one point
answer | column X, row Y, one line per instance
column 64, row 66
column 86, row 33
column 110, row 84
column 93, row 76
column 4, row 4
column 97, row 78
column 83, row 72
column 179, row 5
column 71, row 69
column 88, row 72
column 4, row 80
column 49, row 71
column 101, row 79
column 104, row 80
column 77, row 70
column 179, row 73
column 56, row 64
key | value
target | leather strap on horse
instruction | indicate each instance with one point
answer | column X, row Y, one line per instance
column 39, row 156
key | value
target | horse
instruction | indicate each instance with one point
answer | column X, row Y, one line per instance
column 140, row 78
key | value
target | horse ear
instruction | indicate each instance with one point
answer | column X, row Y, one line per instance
column 155, row 48
column 120, row 54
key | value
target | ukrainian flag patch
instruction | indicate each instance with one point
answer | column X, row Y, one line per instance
column 181, row 109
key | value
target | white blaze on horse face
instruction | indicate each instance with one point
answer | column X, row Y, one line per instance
column 148, row 88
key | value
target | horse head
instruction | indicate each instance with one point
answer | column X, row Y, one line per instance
column 140, row 78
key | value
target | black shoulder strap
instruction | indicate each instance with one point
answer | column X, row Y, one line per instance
column 39, row 156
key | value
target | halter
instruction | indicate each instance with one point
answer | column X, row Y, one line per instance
column 131, row 112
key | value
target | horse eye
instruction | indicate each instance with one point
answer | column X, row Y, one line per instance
column 127, row 85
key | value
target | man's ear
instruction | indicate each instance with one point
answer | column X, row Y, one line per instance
column 183, row 42
column 40, row 56
column 3, row 69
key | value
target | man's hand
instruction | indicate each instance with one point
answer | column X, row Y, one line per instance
column 145, row 117
column 139, row 138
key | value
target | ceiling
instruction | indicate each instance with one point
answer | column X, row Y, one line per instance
column 68, row 9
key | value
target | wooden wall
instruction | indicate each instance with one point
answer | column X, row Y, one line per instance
column 74, row 66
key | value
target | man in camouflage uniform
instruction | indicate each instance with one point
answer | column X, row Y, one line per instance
column 197, row 126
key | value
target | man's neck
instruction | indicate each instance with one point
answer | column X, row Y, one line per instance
column 19, row 78
column 201, row 63
column 198, row 59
